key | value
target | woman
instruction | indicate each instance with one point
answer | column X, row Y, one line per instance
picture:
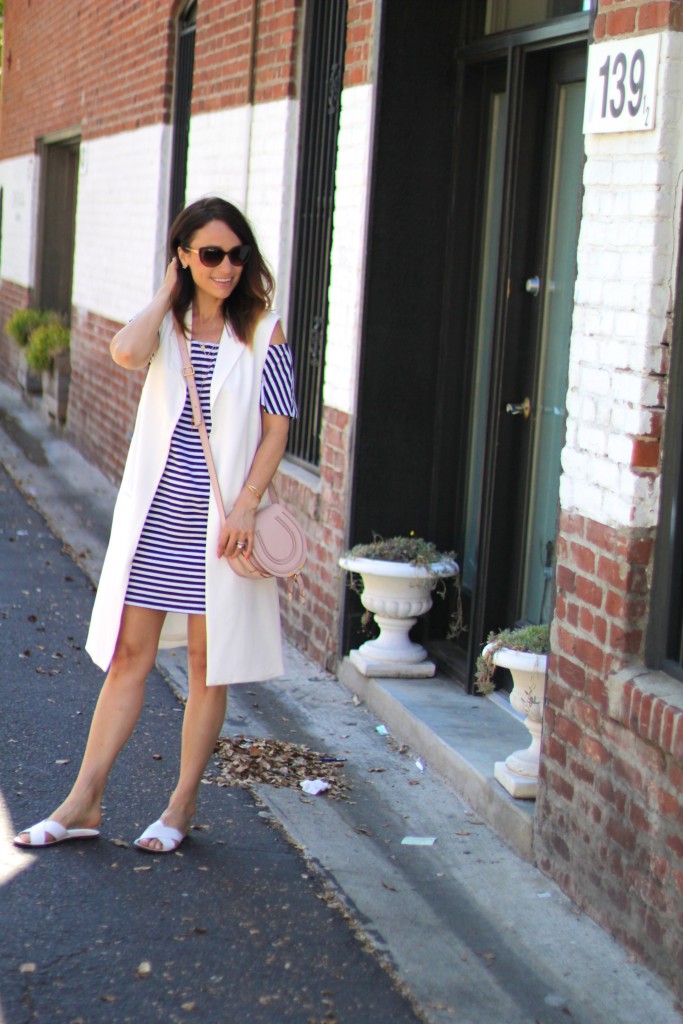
column 166, row 579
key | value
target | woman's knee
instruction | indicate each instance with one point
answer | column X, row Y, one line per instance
column 131, row 658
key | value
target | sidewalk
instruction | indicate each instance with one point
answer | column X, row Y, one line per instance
column 473, row 930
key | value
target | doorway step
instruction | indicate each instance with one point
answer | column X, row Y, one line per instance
column 457, row 735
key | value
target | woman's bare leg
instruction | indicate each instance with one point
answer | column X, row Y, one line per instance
column 117, row 710
column 204, row 716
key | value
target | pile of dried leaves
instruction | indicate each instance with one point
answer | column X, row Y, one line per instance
column 245, row 762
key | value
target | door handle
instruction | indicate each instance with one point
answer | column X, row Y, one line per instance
column 519, row 408
column 533, row 285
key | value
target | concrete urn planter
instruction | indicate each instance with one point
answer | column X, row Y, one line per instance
column 518, row 773
column 396, row 593
column 55, row 384
column 30, row 381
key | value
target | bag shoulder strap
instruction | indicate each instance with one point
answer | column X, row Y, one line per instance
column 198, row 421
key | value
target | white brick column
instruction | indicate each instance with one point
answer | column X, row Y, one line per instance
column 624, row 297
column 352, row 185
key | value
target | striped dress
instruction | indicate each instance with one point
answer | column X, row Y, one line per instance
column 168, row 570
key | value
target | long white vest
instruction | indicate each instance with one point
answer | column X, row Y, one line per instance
column 242, row 616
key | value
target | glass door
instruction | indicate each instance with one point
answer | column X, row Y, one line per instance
column 555, row 290
column 522, row 159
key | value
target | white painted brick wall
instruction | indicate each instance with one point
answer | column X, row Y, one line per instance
column 121, row 221
column 247, row 155
column 19, row 181
column 348, row 247
column 271, row 187
column 217, row 157
column 624, row 295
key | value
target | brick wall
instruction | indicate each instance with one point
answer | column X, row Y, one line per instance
column 222, row 53
column 610, row 803
column 624, row 17
column 105, row 68
column 359, row 42
column 313, row 625
column 103, row 398
column 12, row 296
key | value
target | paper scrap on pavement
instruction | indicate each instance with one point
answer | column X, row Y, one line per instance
column 314, row 786
column 419, row 764
column 382, row 730
column 418, row 840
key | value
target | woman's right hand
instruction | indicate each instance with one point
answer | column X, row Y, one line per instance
column 172, row 278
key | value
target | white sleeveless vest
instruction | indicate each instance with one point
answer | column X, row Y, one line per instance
column 242, row 616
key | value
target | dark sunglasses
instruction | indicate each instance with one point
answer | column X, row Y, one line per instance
column 213, row 256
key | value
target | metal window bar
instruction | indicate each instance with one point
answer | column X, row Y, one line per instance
column 187, row 26
column 326, row 32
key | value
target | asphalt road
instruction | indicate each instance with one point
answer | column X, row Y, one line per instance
column 232, row 927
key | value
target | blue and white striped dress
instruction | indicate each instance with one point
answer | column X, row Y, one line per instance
column 168, row 570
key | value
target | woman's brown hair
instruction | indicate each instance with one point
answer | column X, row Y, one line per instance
column 254, row 292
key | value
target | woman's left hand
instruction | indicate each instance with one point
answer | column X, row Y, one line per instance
column 237, row 535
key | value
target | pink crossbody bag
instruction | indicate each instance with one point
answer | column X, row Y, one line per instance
column 279, row 545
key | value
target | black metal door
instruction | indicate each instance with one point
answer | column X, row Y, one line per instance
column 59, row 183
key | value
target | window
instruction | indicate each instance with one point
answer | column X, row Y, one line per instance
column 317, row 158
column 187, row 25
column 503, row 15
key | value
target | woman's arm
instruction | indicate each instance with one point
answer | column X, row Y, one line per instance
column 136, row 343
column 239, row 524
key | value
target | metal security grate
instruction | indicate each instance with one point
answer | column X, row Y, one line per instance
column 187, row 25
column 324, row 69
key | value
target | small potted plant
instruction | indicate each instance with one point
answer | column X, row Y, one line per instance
column 20, row 326
column 399, row 576
column 47, row 353
column 524, row 652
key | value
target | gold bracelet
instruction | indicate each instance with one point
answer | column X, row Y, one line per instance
column 250, row 487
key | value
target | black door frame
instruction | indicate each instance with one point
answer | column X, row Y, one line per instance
column 518, row 50
column 413, row 399
column 59, row 156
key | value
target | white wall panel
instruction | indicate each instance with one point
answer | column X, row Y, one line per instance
column 19, row 180
column 348, row 247
column 121, row 221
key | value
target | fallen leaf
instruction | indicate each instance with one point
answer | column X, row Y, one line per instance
column 28, row 968
column 391, row 888
column 121, row 842
column 144, row 969
column 245, row 761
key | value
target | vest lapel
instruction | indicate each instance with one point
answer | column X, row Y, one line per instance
column 229, row 352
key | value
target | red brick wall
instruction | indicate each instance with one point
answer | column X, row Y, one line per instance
column 622, row 17
column 359, row 39
column 120, row 63
column 12, row 296
column 103, row 68
column 103, row 398
column 610, row 805
column 314, row 625
column 222, row 52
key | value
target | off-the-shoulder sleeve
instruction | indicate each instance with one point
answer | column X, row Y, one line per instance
column 277, row 382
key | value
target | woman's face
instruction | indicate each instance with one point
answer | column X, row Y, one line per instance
column 218, row 282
